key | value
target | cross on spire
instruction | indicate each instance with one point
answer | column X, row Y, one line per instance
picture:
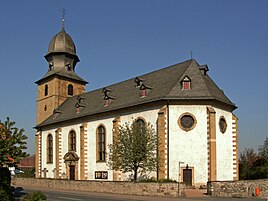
column 63, row 15
column 191, row 54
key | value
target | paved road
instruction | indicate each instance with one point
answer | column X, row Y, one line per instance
column 58, row 195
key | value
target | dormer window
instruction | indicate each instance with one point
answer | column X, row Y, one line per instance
column 138, row 82
column 204, row 69
column 68, row 65
column 186, row 83
column 107, row 96
column 50, row 65
column 56, row 113
column 144, row 90
column 70, row 90
column 79, row 104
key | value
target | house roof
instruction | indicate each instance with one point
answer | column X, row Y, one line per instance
column 163, row 84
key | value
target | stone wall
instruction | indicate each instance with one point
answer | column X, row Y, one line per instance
column 128, row 188
column 238, row 188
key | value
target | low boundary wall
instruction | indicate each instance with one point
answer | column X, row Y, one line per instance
column 243, row 188
column 128, row 188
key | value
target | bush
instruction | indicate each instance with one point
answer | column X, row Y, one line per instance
column 28, row 173
column 5, row 188
column 5, row 176
column 6, row 193
column 167, row 181
column 34, row 196
column 152, row 179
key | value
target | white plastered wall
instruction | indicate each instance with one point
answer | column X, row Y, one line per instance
column 148, row 116
column 189, row 147
column 49, row 166
column 224, row 147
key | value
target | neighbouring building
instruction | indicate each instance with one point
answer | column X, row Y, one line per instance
column 196, row 128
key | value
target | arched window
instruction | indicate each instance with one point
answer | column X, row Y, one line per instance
column 49, row 149
column 70, row 90
column 101, row 143
column 140, row 122
column 46, row 90
column 72, row 141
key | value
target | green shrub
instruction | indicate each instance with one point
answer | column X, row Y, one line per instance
column 5, row 193
column 5, row 176
column 28, row 173
column 167, row 181
column 152, row 179
column 34, row 196
column 5, row 188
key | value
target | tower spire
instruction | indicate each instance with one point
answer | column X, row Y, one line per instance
column 62, row 21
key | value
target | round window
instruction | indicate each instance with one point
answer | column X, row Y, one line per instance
column 222, row 124
column 187, row 121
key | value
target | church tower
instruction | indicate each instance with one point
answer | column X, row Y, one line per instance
column 61, row 81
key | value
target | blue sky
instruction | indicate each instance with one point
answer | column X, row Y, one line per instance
column 120, row 39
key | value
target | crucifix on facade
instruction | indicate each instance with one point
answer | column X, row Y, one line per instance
column 45, row 172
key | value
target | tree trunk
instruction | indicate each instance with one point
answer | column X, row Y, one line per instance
column 135, row 174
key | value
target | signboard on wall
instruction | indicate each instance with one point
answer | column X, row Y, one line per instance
column 101, row 175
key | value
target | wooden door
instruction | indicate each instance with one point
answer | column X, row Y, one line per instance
column 72, row 172
column 187, row 177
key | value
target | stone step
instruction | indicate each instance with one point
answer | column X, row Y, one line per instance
column 195, row 192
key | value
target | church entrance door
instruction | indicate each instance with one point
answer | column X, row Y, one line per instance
column 72, row 172
column 187, row 177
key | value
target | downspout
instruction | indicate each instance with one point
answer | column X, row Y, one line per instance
column 168, row 138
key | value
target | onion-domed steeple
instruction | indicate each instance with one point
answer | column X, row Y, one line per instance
column 61, row 56
column 62, row 52
column 60, row 81
column 62, row 42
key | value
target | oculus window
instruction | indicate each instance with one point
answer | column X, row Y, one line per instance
column 222, row 124
column 187, row 121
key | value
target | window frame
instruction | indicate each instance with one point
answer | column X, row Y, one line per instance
column 186, row 83
column 70, row 90
column 101, row 143
column 46, row 90
column 72, row 141
column 49, row 148
column 180, row 121
column 222, row 124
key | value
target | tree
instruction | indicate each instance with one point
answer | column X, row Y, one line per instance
column 12, row 143
column 246, row 161
column 263, row 149
column 134, row 149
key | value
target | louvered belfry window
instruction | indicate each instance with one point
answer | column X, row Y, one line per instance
column 70, row 90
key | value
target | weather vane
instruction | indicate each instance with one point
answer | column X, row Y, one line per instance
column 191, row 53
column 63, row 15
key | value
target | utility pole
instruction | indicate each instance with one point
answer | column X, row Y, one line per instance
column 180, row 162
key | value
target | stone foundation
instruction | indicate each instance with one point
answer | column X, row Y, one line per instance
column 245, row 188
column 128, row 188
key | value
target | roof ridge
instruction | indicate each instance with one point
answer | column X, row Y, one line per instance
column 161, row 69
column 215, row 85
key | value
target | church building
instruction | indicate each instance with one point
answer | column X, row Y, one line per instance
column 197, row 132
